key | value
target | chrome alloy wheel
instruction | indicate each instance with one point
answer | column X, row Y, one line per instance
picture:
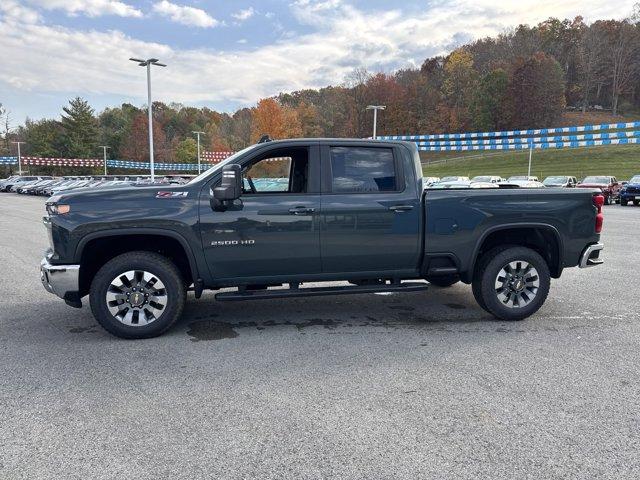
column 136, row 298
column 517, row 284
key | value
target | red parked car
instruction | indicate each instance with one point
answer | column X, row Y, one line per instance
column 609, row 185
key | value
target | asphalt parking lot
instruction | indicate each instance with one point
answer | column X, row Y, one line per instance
column 418, row 385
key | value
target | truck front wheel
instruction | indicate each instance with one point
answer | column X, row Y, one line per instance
column 137, row 295
column 511, row 283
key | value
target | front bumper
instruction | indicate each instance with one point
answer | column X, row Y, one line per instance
column 591, row 256
column 61, row 280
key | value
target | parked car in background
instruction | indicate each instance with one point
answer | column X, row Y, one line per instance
column 428, row 181
column 19, row 180
column 561, row 181
column 522, row 178
column 462, row 185
column 608, row 185
column 524, row 183
column 487, row 179
column 454, row 179
column 26, row 187
column 630, row 192
column 7, row 180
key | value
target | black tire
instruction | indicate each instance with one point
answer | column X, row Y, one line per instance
column 163, row 270
column 480, row 267
column 623, row 203
column 636, row 202
column 443, row 281
column 607, row 200
column 489, row 270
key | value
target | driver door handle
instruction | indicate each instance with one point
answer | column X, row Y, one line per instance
column 301, row 210
column 401, row 208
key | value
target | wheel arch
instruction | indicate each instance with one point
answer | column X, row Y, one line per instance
column 95, row 249
column 541, row 237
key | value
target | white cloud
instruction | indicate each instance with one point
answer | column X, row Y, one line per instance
column 92, row 62
column 12, row 12
column 185, row 15
column 90, row 8
column 242, row 15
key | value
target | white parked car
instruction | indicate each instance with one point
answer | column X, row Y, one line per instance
column 487, row 179
column 517, row 178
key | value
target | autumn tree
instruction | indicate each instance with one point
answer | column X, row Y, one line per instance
column 536, row 92
column 136, row 145
column 269, row 118
column 623, row 63
column 460, row 80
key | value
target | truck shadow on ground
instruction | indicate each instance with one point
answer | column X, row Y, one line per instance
column 208, row 319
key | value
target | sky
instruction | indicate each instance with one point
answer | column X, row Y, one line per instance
column 229, row 54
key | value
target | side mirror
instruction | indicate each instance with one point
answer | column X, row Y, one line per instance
column 231, row 186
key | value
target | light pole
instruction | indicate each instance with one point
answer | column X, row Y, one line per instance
column 104, row 154
column 19, row 158
column 375, row 109
column 147, row 63
column 197, row 134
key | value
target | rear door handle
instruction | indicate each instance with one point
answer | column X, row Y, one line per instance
column 301, row 210
column 401, row 208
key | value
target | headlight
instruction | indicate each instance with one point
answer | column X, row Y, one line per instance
column 57, row 209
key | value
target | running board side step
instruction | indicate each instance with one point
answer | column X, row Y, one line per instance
column 320, row 291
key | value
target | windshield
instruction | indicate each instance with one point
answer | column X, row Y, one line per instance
column 635, row 179
column 555, row 180
column 218, row 166
column 481, row 178
column 449, row 179
column 518, row 177
column 603, row 180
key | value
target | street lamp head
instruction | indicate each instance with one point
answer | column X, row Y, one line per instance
column 376, row 107
column 150, row 61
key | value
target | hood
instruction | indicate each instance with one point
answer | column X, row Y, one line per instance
column 117, row 193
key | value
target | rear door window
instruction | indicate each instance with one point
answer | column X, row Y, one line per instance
column 363, row 170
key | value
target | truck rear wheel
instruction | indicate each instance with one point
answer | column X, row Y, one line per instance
column 511, row 283
column 137, row 295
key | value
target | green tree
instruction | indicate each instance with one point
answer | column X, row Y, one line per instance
column 187, row 151
column 80, row 137
column 490, row 110
column 42, row 138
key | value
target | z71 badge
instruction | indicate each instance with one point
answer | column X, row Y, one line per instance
column 171, row 194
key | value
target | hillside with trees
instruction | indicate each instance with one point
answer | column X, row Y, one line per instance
column 532, row 76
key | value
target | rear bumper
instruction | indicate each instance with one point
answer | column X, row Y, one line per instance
column 61, row 280
column 591, row 256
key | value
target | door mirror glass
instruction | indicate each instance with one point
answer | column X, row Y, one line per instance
column 230, row 187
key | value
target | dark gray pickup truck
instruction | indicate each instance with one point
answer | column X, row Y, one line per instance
column 280, row 214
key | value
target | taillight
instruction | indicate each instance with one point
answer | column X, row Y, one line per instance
column 598, row 201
